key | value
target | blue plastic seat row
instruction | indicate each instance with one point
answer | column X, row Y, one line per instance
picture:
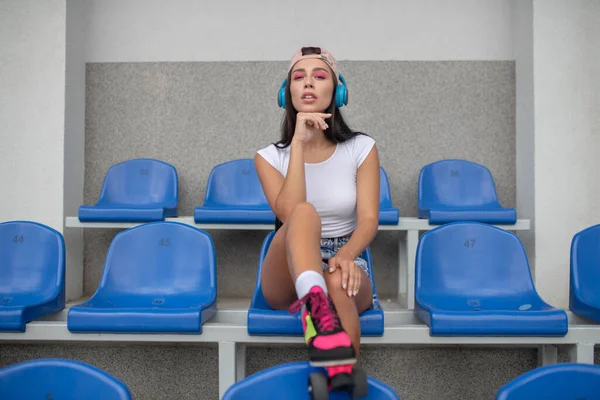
column 70, row 379
column 161, row 277
column 158, row 277
column 145, row 190
column 470, row 279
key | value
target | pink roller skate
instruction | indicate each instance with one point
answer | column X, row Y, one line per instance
column 329, row 346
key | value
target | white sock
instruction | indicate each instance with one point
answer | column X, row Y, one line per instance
column 307, row 280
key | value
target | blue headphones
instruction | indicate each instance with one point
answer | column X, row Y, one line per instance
column 341, row 93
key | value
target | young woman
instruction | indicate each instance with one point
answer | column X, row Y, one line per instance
column 322, row 182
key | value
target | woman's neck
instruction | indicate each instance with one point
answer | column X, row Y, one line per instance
column 318, row 142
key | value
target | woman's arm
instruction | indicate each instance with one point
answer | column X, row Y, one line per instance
column 367, row 207
column 283, row 194
column 367, row 221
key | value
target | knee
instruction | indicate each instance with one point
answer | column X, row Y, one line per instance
column 305, row 211
column 333, row 280
column 305, row 208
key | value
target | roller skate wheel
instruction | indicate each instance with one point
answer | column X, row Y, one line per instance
column 361, row 386
column 318, row 386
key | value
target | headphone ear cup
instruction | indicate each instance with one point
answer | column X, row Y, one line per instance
column 281, row 95
column 281, row 98
column 341, row 96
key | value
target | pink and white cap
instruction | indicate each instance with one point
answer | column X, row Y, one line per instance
column 318, row 53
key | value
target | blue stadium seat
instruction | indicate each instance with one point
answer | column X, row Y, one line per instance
column 474, row 279
column 566, row 381
column 139, row 190
column 290, row 382
column 158, row 277
column 388, row 214
column 585, row 273
column 59, row 379
column 32, row 273
column 459, row 190
column 263, row 320
column 234, row 196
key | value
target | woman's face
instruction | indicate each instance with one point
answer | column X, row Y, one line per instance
column 311, row 85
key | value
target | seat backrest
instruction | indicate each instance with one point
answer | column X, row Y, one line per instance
column 554, row 382
column 59, row 379
column 585, row 264
column 469, row 263
column 141, row 181
column 456, row 183
column 159, row 261
column 385, row 195
column 258, row 299
column 32, row 262
column 290, row 382
column 235, row 183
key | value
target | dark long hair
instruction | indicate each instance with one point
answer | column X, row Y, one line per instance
column 337, row 132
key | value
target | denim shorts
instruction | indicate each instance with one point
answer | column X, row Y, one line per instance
column 330, row 247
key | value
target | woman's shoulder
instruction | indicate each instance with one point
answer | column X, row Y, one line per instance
column 274, row 155
column 359, row 141
column 273, row 149
column 358, row 147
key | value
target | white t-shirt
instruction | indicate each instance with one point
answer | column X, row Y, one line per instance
column 331, row 184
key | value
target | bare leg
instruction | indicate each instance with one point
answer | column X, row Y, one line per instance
column 348, row 308
column 294, row 249
column 297, row 246
column 303, row 240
